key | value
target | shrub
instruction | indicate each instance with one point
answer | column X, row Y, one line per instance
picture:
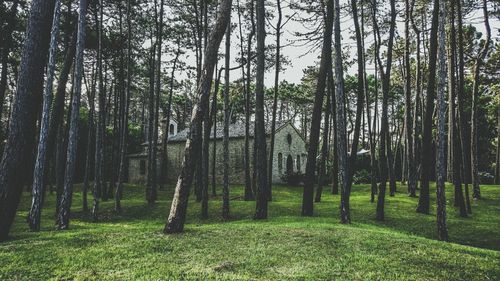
column 362, row 176
column 292, row 178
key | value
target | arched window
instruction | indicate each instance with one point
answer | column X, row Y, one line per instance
column 171, row 129
column 289, row 139
column 280, row 163
column 298, row 163
column 289, row 164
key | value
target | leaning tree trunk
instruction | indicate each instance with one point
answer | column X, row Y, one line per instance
column 345, row 216
column 21, row 129
column 441, row 132
column 326, row 61
column 476, row 194
column 177, row 216
column 64, row 209
column 423, row 200
column 38, row 174
column 260, row 164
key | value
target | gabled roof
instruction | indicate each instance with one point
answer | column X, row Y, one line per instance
column 236, row 130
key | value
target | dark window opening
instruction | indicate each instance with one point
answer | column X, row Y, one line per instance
column 142, row 167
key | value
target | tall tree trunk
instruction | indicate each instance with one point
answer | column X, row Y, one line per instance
column 384, row 126
column 225, row 184
column 101, row 126
column 260, row 164
column 6, row 46
column 249, row 193
column 497, row 162
column 326, row 61
column 462, row 119
column 21, row 129
column 124, row 115
column 344, row 172
column 416, row 128
column 412, row 171
column 275, row 97
column 441, row 132
column 38, row 173
column 64, row 209
column 454, row 148
column 423, row 200
column 177, row 216
column 324, row 148
column 151, row 118
column 90, row 128
column 360, row 93
column 335, row 155
column 475, row 100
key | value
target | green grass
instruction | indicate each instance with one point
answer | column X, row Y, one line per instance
column 131, row 245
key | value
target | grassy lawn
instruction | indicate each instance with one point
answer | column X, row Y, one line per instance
column 131, row 245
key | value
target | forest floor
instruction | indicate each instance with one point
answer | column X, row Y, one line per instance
column 131, row 245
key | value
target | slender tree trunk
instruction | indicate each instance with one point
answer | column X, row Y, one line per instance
column 225, row 185
column 90, row 128
column 344, row 172
column 454, row 148
column 275, row 97
column 101, row 126
column 5, row 47
column 249, row 193
column 260, row 164
column 412, row 171
column 64, row 209
column 21, row 129
column 151, row 118
column 177, row 216
column 384, row 126
column 441, row 132
column 462, row 119
column 497, row 162
column 335, row 155
column 423, row 200
column 324, row 148
column 476, row 194
column 326, row 61
column 124, row 115
column 360, row 93
column 38, row 174
column 412, row 187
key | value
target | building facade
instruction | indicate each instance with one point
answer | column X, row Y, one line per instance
column 289, row 154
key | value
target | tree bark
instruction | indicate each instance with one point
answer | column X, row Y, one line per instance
column 21, row 128
column 225, row 185
column 412, row 171
column 249, row 193
column 275, row 97
column 38, row 173
column 326, row 61
column 177, row 216
column 324, row 148
column 441, row 132
column 260, row 164
column 423, row 200
column 64, row 209
column 476, row 194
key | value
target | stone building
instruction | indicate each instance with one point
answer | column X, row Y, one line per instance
column 289, row 153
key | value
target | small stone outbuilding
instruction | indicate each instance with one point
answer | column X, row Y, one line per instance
column 289, row 153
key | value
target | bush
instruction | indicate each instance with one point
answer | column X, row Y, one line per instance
column 486, row 178
column 362, row 176
column 292, row 178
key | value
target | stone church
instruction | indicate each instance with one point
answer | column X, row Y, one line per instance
column 289, row 153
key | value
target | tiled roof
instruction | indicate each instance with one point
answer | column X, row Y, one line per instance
column 236, row 130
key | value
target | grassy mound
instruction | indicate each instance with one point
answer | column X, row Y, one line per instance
column 131, row 245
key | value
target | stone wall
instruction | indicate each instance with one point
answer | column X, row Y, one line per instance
column 283, row 148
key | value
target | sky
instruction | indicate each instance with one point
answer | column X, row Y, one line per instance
column 301, row 56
